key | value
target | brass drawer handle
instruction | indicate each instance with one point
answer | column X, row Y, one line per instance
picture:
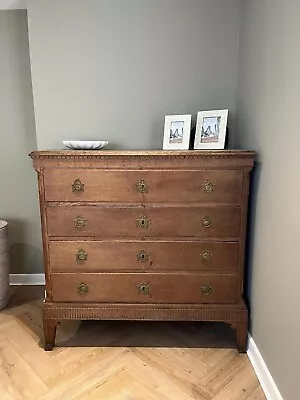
column 79, row 222
column 77, row 186
column 81, row 256
column 144, row 288
column 206, row 255
column 206, row 222
column 208, row 186
column 206, row 289
column 83, row 288
column 143, row 222
column 143, row 256
column 142, row 186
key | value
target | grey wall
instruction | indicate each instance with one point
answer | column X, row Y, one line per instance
column 112, row 69
column 18, row 191
column 268, row 115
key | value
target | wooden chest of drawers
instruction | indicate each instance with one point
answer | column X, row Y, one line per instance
column 153, row 235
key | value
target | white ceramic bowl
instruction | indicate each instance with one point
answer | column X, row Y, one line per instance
column 85, row 144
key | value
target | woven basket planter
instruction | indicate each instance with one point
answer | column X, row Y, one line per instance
column 4, row 265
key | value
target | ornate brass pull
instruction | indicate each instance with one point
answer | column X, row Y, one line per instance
column 143, row 222
column 208, row 186
column 143, row 256
column 79, row 222
column 142, row 186
column 206, row 222
column 81, row 256
column 83, row 288
column 144, row 288
column 206, row 289
column 77, row 186
column 206, row 255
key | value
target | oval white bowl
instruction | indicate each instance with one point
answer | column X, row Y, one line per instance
column 85, row 144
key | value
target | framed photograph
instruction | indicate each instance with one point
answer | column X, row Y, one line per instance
column 177, row 132
column 211, row 129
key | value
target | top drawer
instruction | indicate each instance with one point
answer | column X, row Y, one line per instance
column 143, row 186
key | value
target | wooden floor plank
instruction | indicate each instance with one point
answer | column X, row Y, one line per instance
column 223, row 371
column 143, row 372
column 120, row 386
column 20, row 373
column 8, row 389
column 241, row 386
column 87, row 378
column 27, row 344
column 95, row 361
column 257, row 394
column 118, row 360
column 154, row 363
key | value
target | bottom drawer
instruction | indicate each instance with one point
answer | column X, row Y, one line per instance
column 144, row 288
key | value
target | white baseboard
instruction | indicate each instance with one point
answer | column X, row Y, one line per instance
column 263, row 374
column 27, row 279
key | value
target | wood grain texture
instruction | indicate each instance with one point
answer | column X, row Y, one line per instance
column 160, row 186
column 159, row 288
column 174, row 218
column 106, row 221
column 44, row 228
column 119, row 360
column 148, row 312
column 143, row 255
column 153, row 159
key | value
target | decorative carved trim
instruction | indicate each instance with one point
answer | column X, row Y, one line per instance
column 191, row 154
column 141, row 312
column 122, row 160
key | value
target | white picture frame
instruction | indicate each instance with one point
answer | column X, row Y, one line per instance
column 211, row 130
column 177, row 132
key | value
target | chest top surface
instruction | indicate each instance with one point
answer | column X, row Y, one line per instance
column 194, row 159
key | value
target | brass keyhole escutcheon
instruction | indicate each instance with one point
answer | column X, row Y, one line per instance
column 81, row 256
column 143, row 256
column 206, row 289
column 79, row 222
column 77, row 186
column 144, row 288
column 206, row 255
column 143, row 222
column 83, row 288
column 142, row 186
column 208, row 186
column 206, row 222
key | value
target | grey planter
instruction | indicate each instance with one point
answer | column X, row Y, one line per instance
column 4, row 265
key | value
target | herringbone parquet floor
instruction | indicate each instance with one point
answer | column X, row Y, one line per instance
column 118, row 360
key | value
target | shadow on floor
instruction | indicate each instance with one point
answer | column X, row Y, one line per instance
column 145, row 334
column 120, row 333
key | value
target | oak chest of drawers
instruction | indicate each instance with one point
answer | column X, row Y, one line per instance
column 153, row 235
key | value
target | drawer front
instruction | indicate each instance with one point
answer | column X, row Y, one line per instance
column 200, row 221
column 143, row 186
column 88, row 256
column 144, row 288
